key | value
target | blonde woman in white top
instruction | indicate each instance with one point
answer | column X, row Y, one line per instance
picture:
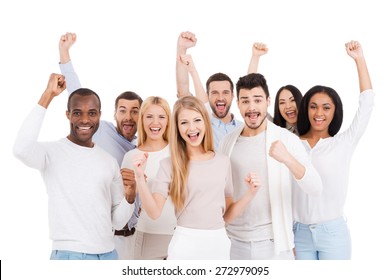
column 320, row 229
column 152, row 237
column 199, row 181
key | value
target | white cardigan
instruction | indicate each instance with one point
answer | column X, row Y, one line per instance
column 281, row 181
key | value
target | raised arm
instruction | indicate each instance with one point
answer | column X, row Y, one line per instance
column 151, row 203
column 355, row 51
column 185, row 41
column 189, row 65
column 258, row 49
column 55, row 86
column 66, row 42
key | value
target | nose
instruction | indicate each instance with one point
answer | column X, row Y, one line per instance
column 85, row 118
column 191, row 126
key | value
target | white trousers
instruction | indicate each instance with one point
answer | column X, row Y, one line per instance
column 199, row 244
column 257, row 250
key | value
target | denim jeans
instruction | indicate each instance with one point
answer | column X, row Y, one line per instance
column 70, row 255
column 325, row 241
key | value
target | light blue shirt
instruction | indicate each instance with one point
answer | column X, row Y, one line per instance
column 107, row 136
column 220, row 129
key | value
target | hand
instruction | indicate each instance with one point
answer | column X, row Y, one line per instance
column 253, row 182
column 56, row 85
column 278, row 151
column 186, row 40
column 65, row 43
column 354, row 49
column 128, row 176
column 139, row 163
column 259, row 49
column 186, row 60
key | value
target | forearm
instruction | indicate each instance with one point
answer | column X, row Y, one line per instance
column 363, row 74
column 182, row 79
column 253, row 64
column 147, row 199
column 237, row 208
column 295, row 167
column 121, row 214
column 199, row 90
column 71, row 77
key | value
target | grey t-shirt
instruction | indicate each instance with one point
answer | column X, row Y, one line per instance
column 209, row 182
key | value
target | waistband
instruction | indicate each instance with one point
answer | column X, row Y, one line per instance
column 200, row 232
column 328, row 224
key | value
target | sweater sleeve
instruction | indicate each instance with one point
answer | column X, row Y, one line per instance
column 26, row 147
column 71, row 77
column 311, row 182
column 121, row 210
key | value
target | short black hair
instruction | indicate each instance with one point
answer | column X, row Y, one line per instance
column 303, row 116
column 83, row 92
column 278, row 119
column 251, row 81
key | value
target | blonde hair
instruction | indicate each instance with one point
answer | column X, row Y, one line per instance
column 178, row 147
column 152, row 100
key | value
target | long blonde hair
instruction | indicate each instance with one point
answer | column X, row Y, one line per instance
column 152, row 100
column 178, row 147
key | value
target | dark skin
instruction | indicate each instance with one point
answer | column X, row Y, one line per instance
column 84, row 116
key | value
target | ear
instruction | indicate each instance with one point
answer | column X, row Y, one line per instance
column 268, row 101
column 67, row 114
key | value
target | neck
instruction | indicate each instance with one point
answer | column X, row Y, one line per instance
column 195, row 153
column 227, row 119
column 250, row 132
column 314, row 136
column 153, row 145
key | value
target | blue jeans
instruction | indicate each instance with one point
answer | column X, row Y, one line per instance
column 70, row 255
column 326, row 241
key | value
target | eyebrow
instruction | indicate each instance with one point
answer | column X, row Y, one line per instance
column 254, row 96
column 312, row 102
column 124, row 107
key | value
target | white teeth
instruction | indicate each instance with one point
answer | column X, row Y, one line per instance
column 84, row 127
column 220, row 104
column 155, row 129
column 192, row 134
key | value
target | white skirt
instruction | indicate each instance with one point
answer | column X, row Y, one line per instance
column 199, row 244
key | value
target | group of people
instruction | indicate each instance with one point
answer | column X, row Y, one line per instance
column 194, row 182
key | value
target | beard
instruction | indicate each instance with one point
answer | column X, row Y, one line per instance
column 255, row 126
column 219, row 114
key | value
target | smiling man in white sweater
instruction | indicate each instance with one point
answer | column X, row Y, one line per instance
column 84, row 186
column 264, row 230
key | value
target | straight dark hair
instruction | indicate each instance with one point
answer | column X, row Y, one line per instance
column 278, row 119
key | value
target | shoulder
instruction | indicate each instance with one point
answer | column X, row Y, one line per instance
column 230, row 137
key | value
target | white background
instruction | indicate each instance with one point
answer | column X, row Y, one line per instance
column 131, row 45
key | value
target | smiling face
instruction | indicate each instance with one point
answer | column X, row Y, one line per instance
column 126, row 116
column 288, row 107
column 253, row 105
column 155, row 121
column 191, row 127
column 84, row 116
column 321, row 111
column 220, row 99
